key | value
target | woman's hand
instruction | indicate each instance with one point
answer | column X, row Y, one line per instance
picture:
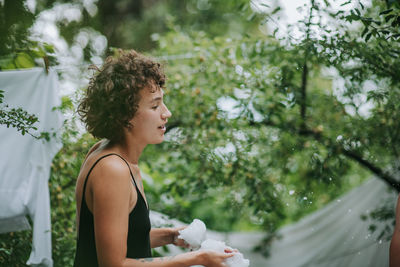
column 211, row 258
column 178, row 241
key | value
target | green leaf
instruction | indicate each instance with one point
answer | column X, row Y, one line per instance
column 397, row 35
column 368, row 36
column 346, row 3
column 364, row 31
column 37, row 53
column 251, row 16
column 386, row 11
column 275, row 10
column 275, row 31
column 48, row 48
column 24, row 61
column 389, row 17
column 372, row 228
column 366, row 22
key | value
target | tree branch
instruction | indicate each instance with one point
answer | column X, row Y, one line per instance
column 304, row 94
column 386, row 177
column 304, row 75
column 379, row 172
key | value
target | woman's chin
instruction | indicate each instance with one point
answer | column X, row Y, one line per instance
column 159, row 141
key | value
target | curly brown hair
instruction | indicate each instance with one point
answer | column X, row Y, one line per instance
column 112, row 97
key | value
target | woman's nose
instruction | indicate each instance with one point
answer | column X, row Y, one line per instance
column 166, row 114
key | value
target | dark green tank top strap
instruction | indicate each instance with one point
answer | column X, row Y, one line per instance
column 138, row 241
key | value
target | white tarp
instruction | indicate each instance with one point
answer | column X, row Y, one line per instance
column 25, row 161
column 334, row 236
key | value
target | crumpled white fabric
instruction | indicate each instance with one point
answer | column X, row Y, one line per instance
column 237, row 260
column 25, row 161
column 195, row 236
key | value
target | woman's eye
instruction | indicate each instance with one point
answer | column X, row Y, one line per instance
column 155, row 107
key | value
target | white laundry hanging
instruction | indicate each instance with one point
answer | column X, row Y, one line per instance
column 25, row 161
column 336, row 235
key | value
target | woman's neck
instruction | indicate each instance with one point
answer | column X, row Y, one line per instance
column 130, row 150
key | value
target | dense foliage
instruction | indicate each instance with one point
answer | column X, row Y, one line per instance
column 288, row 129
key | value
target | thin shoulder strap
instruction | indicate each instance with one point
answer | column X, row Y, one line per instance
column 127, row 164
column 97, row 161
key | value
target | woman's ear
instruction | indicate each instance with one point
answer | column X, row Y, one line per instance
column 129, row 126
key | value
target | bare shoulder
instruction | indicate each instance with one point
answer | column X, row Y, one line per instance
column 94, row 148
column 109, row 185
column 110, row 169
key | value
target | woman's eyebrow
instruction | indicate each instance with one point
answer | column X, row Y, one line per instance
column 156, row 99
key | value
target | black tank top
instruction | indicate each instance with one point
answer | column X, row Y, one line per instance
column 138, row 242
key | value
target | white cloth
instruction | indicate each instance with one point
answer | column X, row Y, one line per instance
column 25, row 161
column 335, row 235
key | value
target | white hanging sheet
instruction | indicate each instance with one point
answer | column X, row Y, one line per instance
column 336, row 235
column 25, row 161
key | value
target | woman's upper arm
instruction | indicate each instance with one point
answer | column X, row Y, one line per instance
column 394, row 259
column 111, row 189
column 398, row 211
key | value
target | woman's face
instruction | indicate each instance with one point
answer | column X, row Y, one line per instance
column 150, row 118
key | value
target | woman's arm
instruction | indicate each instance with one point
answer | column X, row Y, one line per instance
column 162, row 236
column 394, row 252
column 205, row 258
column 110, row 193
column 165, row 236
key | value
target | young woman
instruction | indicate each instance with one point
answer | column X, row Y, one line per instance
column 124, row 106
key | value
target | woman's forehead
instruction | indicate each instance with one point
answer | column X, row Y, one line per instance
column 152, row 93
